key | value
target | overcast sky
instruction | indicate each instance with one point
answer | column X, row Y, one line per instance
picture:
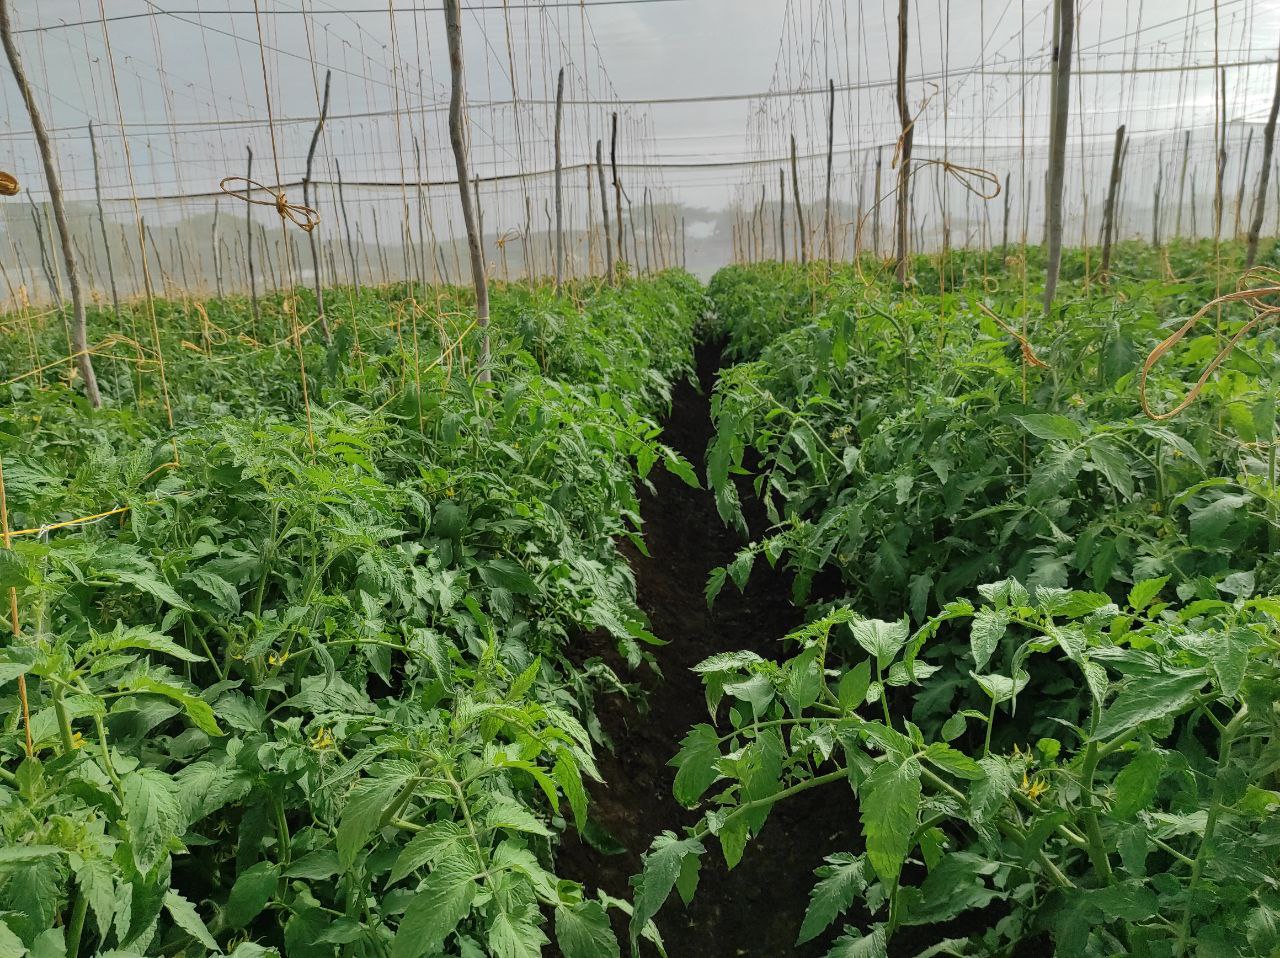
column 188, row 81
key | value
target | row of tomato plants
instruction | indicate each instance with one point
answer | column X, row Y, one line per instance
column 1041, row 649
column 306, row 687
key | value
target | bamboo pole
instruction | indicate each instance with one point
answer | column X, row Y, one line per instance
column 79, row 331
column 1182, row 181
column 1066, row 20
column 1260, row 203
column 102, row 223
column 604, row 213
column 617, row 191
column 453, row 31
column 782, row 215
column 1109, row 211
column 905, row 140
column 306, row 201
column 831, row 147
column 248, row 244
column 559, row 182
column 1244, row 177
column 346, row 222
column 803, row 238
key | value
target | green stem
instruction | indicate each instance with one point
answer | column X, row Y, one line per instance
column 991, row 721
column 64, row 721
column 1097, row 847
column 1210, row 825
column 75, row 927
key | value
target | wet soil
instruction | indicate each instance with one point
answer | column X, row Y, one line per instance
column 755, row 909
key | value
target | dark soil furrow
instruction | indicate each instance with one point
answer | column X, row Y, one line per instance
column 756, row 908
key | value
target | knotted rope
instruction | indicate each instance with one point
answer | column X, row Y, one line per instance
column 1262, row 312
column 1028, row 354
column 304, row 217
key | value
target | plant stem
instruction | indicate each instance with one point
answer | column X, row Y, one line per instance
column 75, row 927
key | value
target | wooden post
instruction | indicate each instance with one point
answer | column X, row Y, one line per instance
column 1260, row 203
column 1155, row 209
column 346, row 222
column 803, row 242
column 1109, row 211
column 1244, row 176
column 530, row 254
column 306, row 201
column 1220, row 125
column 102, row 223
column 648, row 232
column 46, row 263
column 248, row 243
column 79, row 332
column 875, row 210
column 901, row 250
column 831, row 147
column 684, row 249
column 1004, row 243
column 1182, row 181
column 617, row 190
column 1066, row 20
column 217, row 251
column 559, row 184
column 782, row 215
column 604, row 212
column 453, row 31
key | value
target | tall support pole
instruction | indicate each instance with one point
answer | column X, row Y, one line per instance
column 684, row 249
column 1155, row 206
column 1109, row 211
column 875, row 210
column 1244, row 177
column 604, row 212
column 1182, row 180
column 306, row 201
column 1066, row 20
column 559, row 183
column 453, row 31
column 782, row 215
column 831, row 147
column 248, row 245
column 346, row 223
column 79, row 331
column 904, row 157
column 803, row 240
column 617, row 191
column 217, row 249
column 1260, row 203
column 102, row 223
column 1004, row 242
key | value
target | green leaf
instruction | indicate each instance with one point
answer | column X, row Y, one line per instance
column 1110, row 460
column 223, row 592
column 1148, row 698
column 511, row 937
column 184, row 915
column 954, row 761
column 249, row 895
column 1136, row 784
column 882, row 639
column 890, row 807
column 509, row 815
column 152, row 584
column 854, row 944
column 568, row 776
column 11, row 945
column 1002, row 688
column 15, row 854
column 1141, row 595
column 508, row 574
column 153, row 815
column 197, row 709
column 679, row 467
column 985, row 632
column 852, row 690
column 662, row 865
column 433, row 842
column 369, row 799
column 583, row 931
column 696, row 764
column 843, row 879
column 1049, row 426
column 443, row 901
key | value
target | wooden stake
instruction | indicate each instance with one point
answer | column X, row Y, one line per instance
column 1244, row 176
column 102, row 223
column 1182, row 181
column 1066, row 20
column 901, row 250
column 831, row 147
column 604, row 212
column 559, row 184
column 1260, row 203
column 346, row 222
column 453, row 31
column 248, row 244
column 803, row 243
column 1109, row 211
column 782, row 215
column 617, row 191
column 79, row 332
column 306, row 201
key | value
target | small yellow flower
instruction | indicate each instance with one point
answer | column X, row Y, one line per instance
column 77, row 740
column 449, row 492
column 322, row 739
column 277, row 660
